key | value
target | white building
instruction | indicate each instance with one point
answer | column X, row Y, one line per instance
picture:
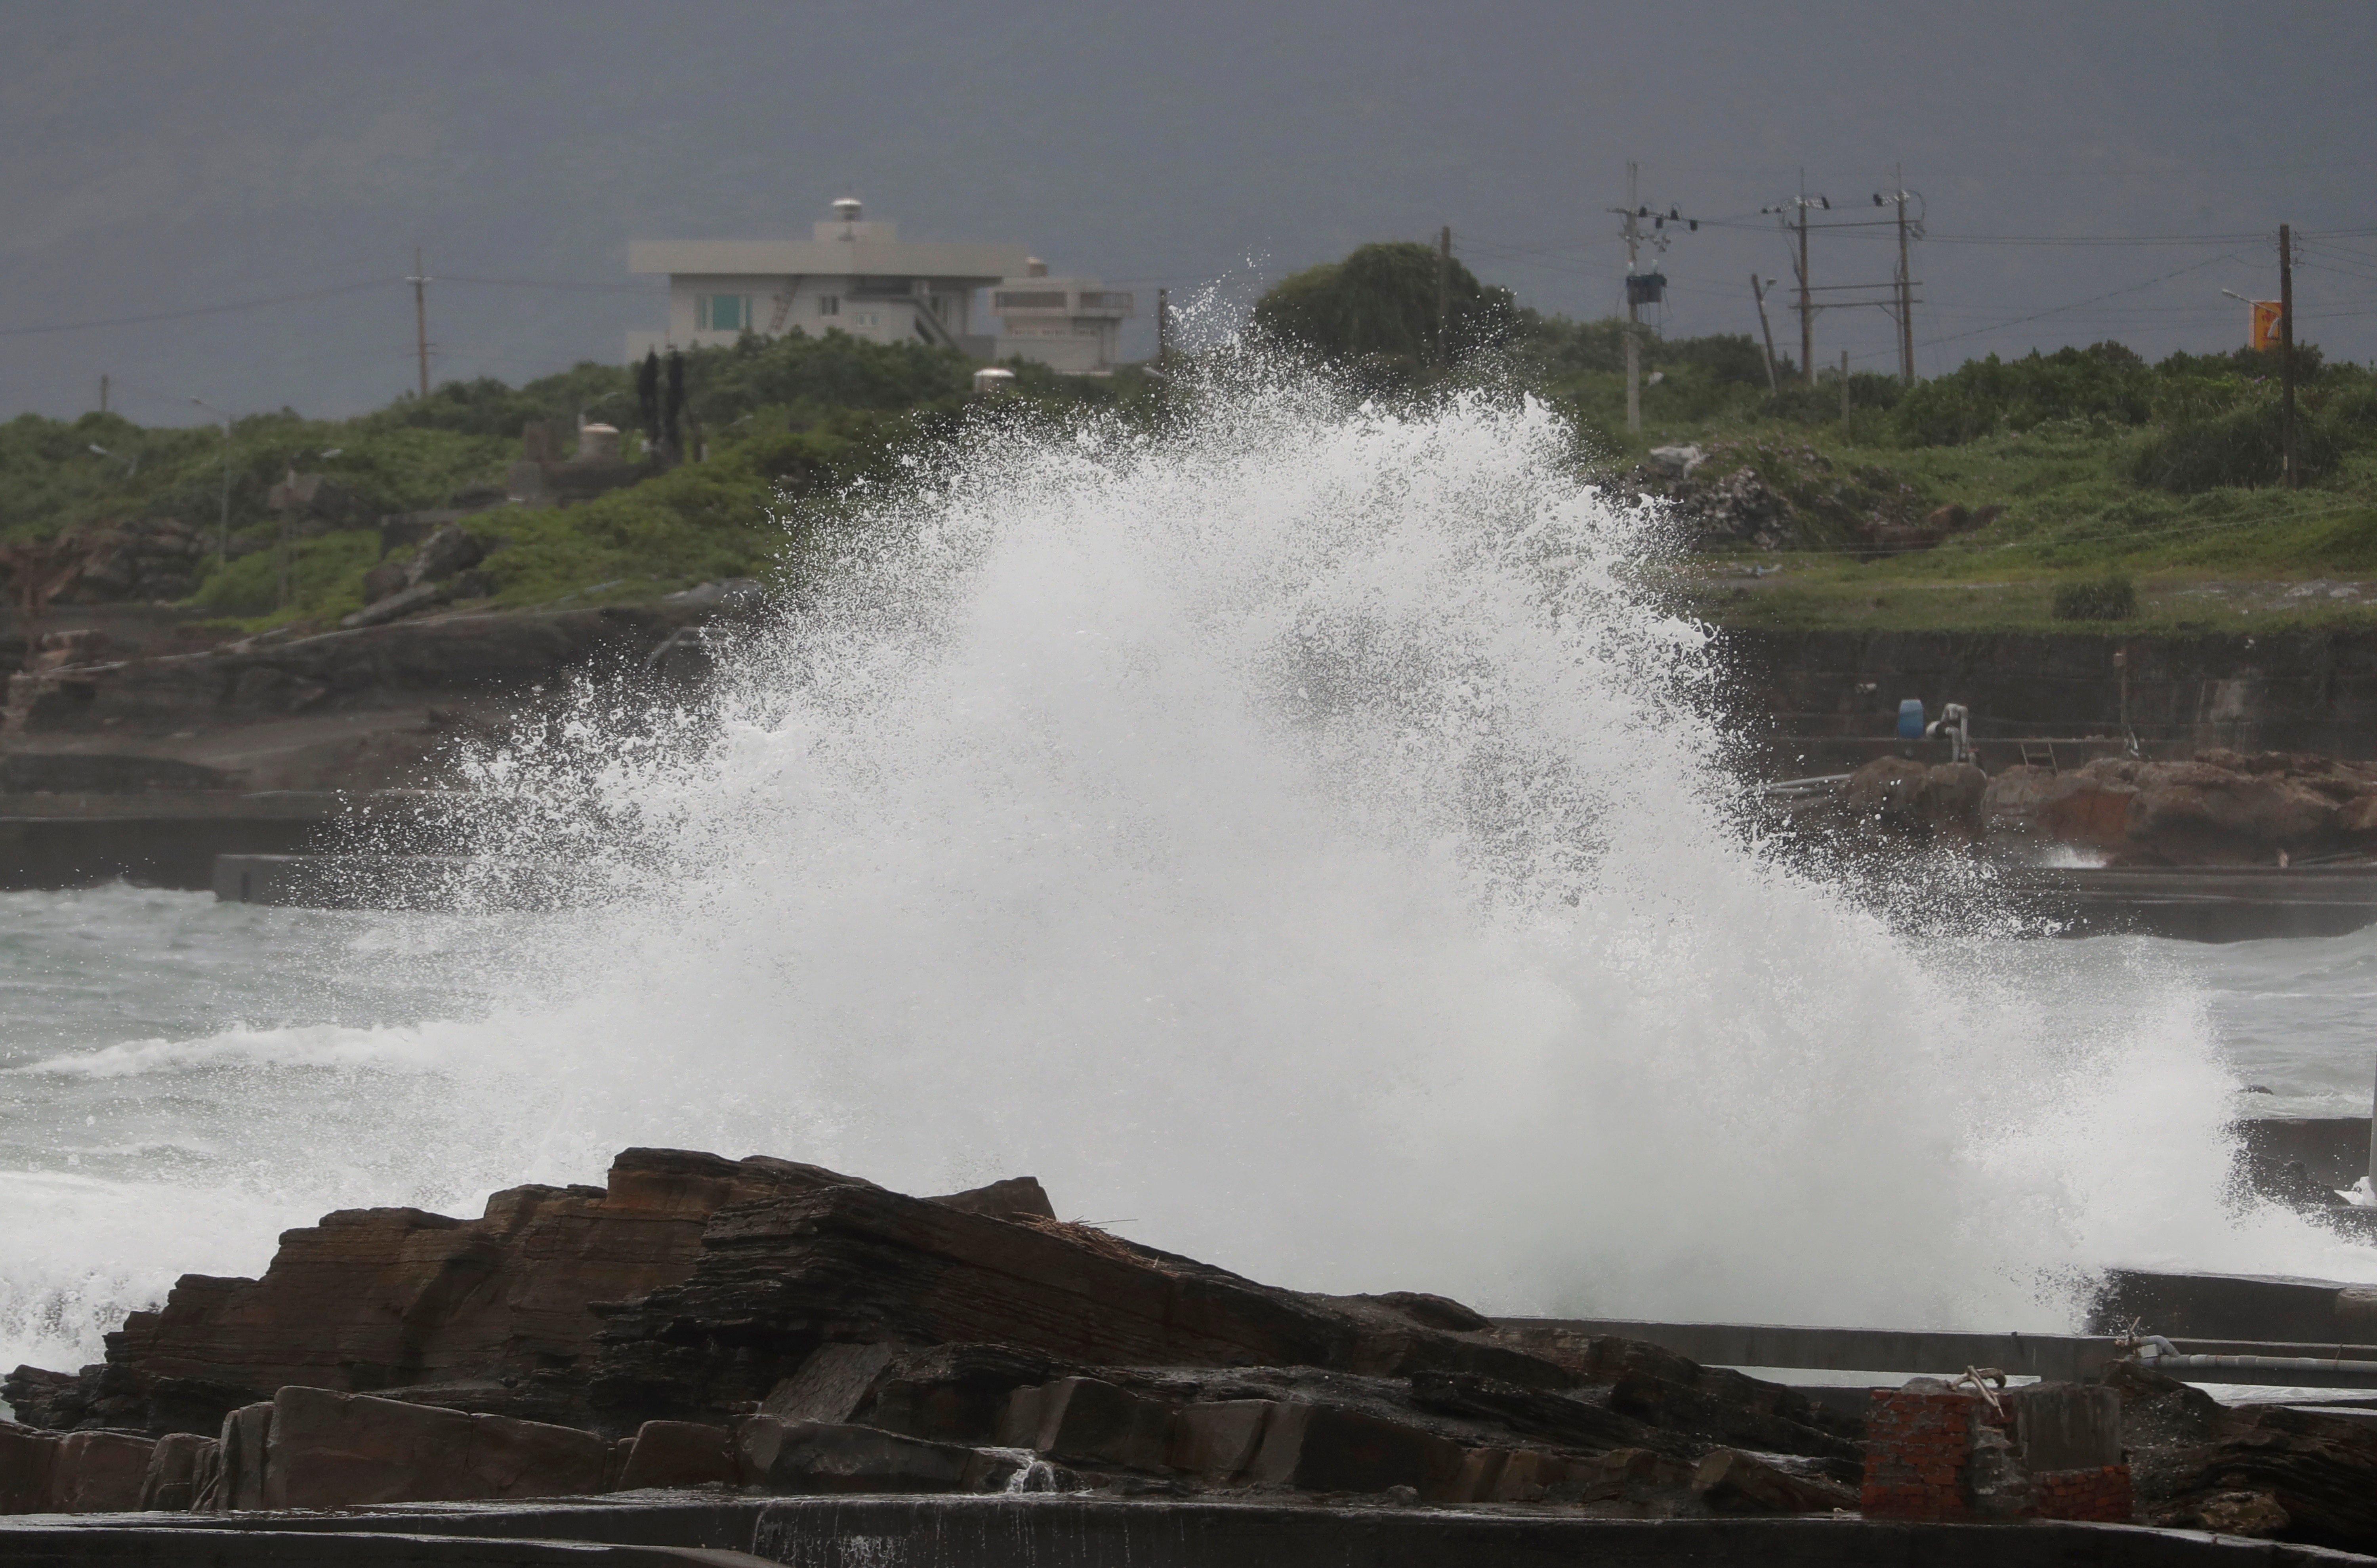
column 854, row 274
column 1068, row 324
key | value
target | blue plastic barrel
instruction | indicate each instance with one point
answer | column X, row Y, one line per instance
column 1910, row 719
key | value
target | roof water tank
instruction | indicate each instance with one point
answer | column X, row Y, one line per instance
column 848, row 209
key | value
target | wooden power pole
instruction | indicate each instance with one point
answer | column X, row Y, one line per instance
column 1906, row 295
column 1806, row 301
column 1163, row 330
column 2292, row 475
column 1758, row 293
column 421, row 317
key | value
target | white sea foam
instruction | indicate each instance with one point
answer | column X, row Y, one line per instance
column 1298, row 842
column 81, row 1251
column 395, row 1047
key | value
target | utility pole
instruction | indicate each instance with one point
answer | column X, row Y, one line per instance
column 2293, row 476
column 1633, row 312
column 1905, row 292
column 1444, row 296
column 1758, row 293
column 1807, row 302
column 1844, row 385
column 103, row 392
column 421, row 317
column 1163, row 330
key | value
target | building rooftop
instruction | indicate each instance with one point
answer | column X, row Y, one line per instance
column 844, row 247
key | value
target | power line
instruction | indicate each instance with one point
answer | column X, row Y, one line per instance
column 562, row 283
column 2077, row 304
column 198, row 310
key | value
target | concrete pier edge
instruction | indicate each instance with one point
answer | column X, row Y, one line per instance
column 1062, row 1530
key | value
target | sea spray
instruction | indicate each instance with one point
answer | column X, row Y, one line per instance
column 1300, row 840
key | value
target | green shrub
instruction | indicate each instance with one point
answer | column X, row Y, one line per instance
column 1375, row 312
column 2110, row 598
column 2242, row 447
column 2099, row 388
column 326, row 576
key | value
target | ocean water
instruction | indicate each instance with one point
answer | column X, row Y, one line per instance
column 1297, row 842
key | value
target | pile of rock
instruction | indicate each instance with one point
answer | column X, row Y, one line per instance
column 2263, row 1471
column 772, row 1326
column 148, row 561
column 2222, row 807
column 437, row 572
column 1892, row 803
column 1779, row 496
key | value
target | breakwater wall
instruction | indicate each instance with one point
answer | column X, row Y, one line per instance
column 2286, row 692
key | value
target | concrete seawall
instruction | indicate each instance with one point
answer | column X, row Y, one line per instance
column 1064, row 1531
column 2290, row 691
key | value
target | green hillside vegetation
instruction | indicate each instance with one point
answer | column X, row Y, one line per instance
column 785, row 426
column 2097, row 462
column 2086, row 464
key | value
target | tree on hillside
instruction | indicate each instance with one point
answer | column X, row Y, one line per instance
column 1376, row 312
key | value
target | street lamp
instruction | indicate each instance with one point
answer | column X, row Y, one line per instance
column 131, row 465
column 223, row 535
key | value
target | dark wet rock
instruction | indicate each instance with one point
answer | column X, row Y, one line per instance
column 2219, row 808
column 1557, row 1418
column 450, row 550
column 766, row 1323
column 2268, row 1469
column 1017, row 1197
column 403, row 602
column 679, row 1454
column 1329, row 1448
column 327, row 1450
column 1733, row 1482
column 1087, row 1421
column 99, row 1472
column 371, row 1299
column 28, row 1458
column 1892, row 797
column 802, row 1457
column 171, row 1483
column 1431, row 1312
column 779, row 1277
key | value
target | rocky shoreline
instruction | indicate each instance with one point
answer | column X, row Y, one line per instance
column 771, row 1328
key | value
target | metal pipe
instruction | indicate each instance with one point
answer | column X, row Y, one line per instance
column 2311, row 1371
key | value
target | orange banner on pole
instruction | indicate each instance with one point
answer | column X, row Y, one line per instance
column 2265, row 323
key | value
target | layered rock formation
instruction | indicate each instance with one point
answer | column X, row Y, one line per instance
column 766, row 1325
column 2221, row 808
column 2255, row 1470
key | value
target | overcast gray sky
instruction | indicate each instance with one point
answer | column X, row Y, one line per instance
column 171, row 155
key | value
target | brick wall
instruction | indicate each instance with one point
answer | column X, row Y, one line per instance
column 1919, row 1452
column 1918, row 1444
column 2100, row 1495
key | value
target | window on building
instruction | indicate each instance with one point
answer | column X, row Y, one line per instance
column 722, row 313
column 828, row 305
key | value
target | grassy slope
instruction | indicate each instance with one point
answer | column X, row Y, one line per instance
column 2229, row 558
column 788, row 425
